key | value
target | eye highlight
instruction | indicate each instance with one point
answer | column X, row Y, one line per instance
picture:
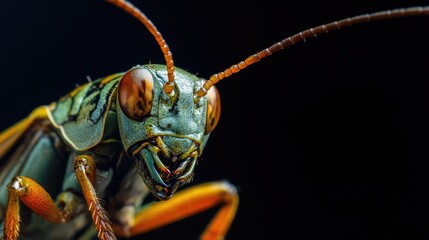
column 135, row 93
column 213, row 109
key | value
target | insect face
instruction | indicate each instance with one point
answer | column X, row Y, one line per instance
column 165, row 134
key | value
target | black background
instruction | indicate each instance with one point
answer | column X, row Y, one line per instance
column 325, row 140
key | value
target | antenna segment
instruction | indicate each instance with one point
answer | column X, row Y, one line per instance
column 135, row 12
column 310, row 33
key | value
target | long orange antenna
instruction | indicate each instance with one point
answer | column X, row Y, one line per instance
column 309, row 33
column 131, row 9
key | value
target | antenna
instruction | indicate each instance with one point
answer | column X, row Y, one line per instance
column 135, row 12
column 310, row 33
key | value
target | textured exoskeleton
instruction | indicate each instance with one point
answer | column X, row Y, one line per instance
column 92, row 157
column 131, row 129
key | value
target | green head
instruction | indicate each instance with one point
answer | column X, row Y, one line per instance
column 165, row 116
column 163, row 132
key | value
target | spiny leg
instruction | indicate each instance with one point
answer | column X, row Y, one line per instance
column 86, row 173
column 40, row 202
column 36, row 198
column 187, row 203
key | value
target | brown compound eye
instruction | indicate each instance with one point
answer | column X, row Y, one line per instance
column 135, row 93
column 213, row 109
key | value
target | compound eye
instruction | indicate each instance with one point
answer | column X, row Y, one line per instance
column 135, row 93
column 213, row 109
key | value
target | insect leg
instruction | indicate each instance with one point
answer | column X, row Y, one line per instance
column 186, row 203
column 34, row 197
column 86, row 172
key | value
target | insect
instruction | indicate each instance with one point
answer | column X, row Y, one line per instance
column 268, row 107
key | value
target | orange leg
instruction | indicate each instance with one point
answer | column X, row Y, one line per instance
column 186, row 203
column 36, row 198
column 85, row 172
